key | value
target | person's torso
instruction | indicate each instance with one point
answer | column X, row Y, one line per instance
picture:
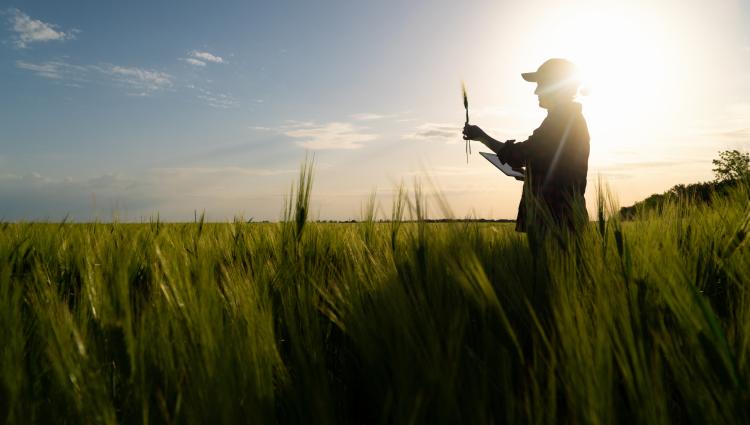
column 561, row 163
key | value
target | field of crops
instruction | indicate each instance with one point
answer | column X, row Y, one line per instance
column 399, row 322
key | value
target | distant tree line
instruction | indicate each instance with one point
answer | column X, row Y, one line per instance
column 429, row 220
column 730, row 169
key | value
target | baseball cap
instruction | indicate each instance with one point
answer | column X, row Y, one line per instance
column 554, row 70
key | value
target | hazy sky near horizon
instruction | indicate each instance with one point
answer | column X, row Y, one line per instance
column 170, row 107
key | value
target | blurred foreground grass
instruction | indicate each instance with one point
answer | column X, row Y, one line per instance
column 397, row 322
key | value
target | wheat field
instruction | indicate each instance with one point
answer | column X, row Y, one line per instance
column 401, row 321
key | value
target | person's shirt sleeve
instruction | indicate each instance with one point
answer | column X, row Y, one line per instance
column 495, row 146
column 517, row 154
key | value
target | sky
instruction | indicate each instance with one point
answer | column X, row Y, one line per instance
column 131, row 109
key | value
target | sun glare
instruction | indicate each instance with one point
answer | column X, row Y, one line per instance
column 624, row 63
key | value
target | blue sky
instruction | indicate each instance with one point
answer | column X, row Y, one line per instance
column 135, row 108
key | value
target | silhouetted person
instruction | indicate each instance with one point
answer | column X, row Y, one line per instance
column 556, row 155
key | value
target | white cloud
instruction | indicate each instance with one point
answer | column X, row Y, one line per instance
column 139, row 80
column 194, row 62
column 55, row 70
column 28, row 30
column 435, row 132
column 205, row 57
column 144, row 81
column 334, row 135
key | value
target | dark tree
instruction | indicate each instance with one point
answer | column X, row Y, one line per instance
column 731, row 165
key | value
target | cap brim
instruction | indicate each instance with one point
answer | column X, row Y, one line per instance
column 531, row 77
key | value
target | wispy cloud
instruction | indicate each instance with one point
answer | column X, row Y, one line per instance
column 220, row 101
column 731, row 126
column 194, row 61
column 55, row 70
column 216, row 100
column 334, row 135
column 435, row 132
column 737, row 136
column 28, row 30
column 208, row 57
column 198, row 58
column 143, row 81
column 139, row 81
column 367, row 116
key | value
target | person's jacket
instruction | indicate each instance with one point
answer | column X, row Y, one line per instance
column 556, row 160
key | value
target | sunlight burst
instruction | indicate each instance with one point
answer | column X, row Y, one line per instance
column 624, row 62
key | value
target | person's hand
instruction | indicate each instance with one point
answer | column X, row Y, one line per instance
column 473, row 132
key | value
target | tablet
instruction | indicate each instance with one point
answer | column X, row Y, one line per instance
column 505, row 168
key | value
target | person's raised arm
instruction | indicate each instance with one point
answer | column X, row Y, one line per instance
column 473, row 132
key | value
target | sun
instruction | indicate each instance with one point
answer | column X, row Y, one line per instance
column 624, row 60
